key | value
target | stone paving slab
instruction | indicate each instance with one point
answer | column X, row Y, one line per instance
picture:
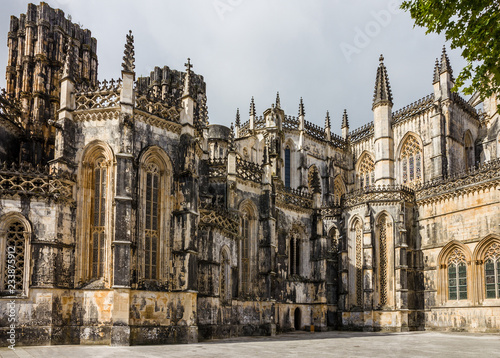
column 297, row 344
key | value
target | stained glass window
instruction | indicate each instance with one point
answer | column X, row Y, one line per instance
column 99, row 219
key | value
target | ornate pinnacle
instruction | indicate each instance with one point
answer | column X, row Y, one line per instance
column 187, row 79
column 382, row 87
column 252, row 107
column 345, row 120
column 437, row 70
column 278, row 102
column 302, row 112
column 231, row 138
column 129, row 54
column 327, row 120
column 68, row 62
column 445, row 63
column 237, row 122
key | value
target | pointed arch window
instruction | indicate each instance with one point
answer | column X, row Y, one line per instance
column 294, row 254
column 98, row 223
column 246, row 231
column 358, row 229
column 14, row 256
column 287, row 167
column 411, row 161
column 492, row 271
column 225, row 274
column 338, row 187
column 469, row 151
column 366, row 172
column 154, row 217
column 383, row 260
column 457, row 276
column 152, row 227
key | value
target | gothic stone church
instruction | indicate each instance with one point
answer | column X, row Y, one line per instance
column 126, row 218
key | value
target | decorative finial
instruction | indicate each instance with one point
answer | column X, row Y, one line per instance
column 278, row 102
column 237, row 122
column 382, row 87
column 345, row 120
column 302, row 112
column 327, row 120
column 437, row 71
column 187, row 79
column 129, row 54
column 188, row 65
column 252, row 107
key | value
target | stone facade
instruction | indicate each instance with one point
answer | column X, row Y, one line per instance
column 129, row 219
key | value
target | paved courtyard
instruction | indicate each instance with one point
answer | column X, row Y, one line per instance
column 298, row 344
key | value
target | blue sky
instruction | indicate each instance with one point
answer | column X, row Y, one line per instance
column 325, row 51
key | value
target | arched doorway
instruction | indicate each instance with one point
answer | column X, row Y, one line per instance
column 297, row 318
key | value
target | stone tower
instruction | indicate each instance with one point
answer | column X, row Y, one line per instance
column 38, row 42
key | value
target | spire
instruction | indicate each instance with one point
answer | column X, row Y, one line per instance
column 437, row 70
column 382, row 86
column 252, row 107
column 345, row 120
column 68, row 62
column 278, row 102
column 445, row 63
column 302, row 112
column 187, row 79
column 128, row 58
column 327, row 120
column 237, row 122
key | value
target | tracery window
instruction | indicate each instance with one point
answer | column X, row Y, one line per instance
column 287, row 167
column 358, row 229
column 338, row 187
column 152, row 227
column 366, row 171
column 245, row 251
column 457, row 276
column 492, row 271
column 294, row 253
column 383, row 260
column 98, row 223
column 13, row 260
column 225, row 292
column 411, row 161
